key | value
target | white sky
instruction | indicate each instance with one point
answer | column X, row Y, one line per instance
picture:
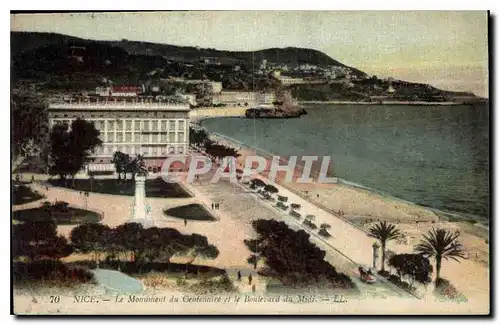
column 448, row 49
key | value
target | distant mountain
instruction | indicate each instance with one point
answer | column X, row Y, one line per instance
column 70, row 63
column 22, row 42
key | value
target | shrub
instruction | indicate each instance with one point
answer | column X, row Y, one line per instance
column 213, row 286
column 446, row 291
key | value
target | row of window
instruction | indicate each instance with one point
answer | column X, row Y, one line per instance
column 113, row 137
column 142, row 150
column 135, row 125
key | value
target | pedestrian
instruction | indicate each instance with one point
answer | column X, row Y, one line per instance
column 239, row 275
column 253, row 288
column 250, row 279
column 212, row 205
column 185, row 222
column 317, row 195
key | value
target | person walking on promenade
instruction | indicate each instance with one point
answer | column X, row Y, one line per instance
column 185, row 222
column 250, row 279
column 239, row 275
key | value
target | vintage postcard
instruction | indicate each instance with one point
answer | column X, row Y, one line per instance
column 250, row 162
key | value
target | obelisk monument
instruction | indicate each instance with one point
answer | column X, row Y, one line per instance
column 141, row 213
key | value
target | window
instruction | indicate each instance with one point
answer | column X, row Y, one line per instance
column 145, row 151
column 164, row 137
column 97, row 125
column 154, row 125
column 164, row 125
column 137, row 125
column 146, row 126
column 171, row 125
column 119, row 137
column 128, row 137
column 180, row 150
column 180, row 136
column 111, row 137
column 119, row 125
column 171, row 137
column 180, row 125
column 111, row 125
column 129, row 125
column 145, row 138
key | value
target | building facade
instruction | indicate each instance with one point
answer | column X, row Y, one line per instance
column 154, row 130
column 244, row 97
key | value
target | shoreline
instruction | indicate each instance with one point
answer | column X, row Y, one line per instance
column 412, row 103
column 441, row 215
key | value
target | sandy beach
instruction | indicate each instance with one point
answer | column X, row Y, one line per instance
column 362, row 209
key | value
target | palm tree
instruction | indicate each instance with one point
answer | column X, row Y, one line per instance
column 384, row 232
column 137, row 166
column 440, row 243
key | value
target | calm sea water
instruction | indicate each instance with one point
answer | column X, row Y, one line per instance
column 436, row 156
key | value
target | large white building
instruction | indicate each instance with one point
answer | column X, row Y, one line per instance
column 249, row 98
column 152, row 129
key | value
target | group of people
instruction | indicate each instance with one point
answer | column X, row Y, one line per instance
column 86, row 194
column 215, row 206
column 250, row 279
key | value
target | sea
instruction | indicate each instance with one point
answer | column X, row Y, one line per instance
column 433, row 156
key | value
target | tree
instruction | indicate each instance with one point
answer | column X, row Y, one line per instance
column 90, row 238
column 439, row 244
column 128, row 238
column 29, row 121
column 384, row 232
column 197, row 246
column 290, row 257
column 136, row 166
column 38, row 240
column 121, row 161
column 71, row 149
column 413, row 266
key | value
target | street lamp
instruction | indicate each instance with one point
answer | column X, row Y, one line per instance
column 375, row 247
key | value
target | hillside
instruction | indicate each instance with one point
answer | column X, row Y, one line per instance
column 22, row 42
column 65, row 63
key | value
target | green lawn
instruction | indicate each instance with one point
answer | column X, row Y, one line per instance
column 67, row 216
column 190, row 212
column 154, row 187
column 22, row 194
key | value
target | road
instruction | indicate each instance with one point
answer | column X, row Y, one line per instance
column 243, row 205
